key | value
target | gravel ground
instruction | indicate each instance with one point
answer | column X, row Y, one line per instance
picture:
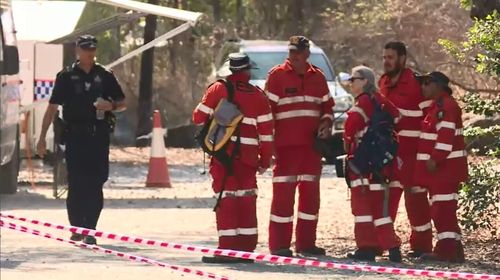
column 183, row 214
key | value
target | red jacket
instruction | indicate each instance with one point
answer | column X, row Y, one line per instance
column 407, row 97
column 256, row 129
column 298, row 103
column 358, row 117
column 442, row 140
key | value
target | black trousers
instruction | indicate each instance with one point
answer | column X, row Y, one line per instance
column 87, row 159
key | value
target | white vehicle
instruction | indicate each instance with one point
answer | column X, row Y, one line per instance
column 29, row 66
column 9, row 101
column 266, row 54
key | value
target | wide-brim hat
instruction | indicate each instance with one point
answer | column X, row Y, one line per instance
column 239, row 62
column 236, row 62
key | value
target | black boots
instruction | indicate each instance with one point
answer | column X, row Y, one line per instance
column 395, row 255
column 285, row 252
column 369, row 255
column 315, row 251
column 362, row 255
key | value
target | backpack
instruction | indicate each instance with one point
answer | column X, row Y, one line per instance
column 378, row 146
column 216, row 133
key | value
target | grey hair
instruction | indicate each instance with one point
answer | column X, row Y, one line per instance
column 369, row 75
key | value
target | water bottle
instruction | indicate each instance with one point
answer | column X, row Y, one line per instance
column 99, row 114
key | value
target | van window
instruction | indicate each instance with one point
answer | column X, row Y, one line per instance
column 266, row 60
column 1, row 46
column 7, row 26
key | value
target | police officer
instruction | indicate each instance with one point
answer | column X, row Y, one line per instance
column 88, row 93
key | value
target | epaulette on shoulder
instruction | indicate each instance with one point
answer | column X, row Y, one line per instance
column 222, row 81
column 65, row 70
column 316, row 67
column 274, row 69
column 102, row 67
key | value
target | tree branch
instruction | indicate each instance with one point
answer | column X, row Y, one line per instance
column 462, row 86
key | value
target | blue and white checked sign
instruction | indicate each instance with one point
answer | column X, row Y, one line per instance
column 43, row 89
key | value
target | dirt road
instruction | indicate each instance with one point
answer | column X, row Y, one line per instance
column 181, row 214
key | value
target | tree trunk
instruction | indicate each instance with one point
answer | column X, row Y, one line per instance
column 240, row 17
column 297, row 20
column 480, row 8
column 145, row 106
column 216, row 10
column 185, row 5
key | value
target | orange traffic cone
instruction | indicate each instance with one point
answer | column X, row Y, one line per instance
column 158, row 170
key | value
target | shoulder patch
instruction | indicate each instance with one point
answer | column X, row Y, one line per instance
column 274, row 69
column 103, row 68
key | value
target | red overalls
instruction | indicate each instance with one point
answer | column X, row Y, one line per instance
column 442, row 140
column 236, row 214
column 407, row 97
column 299, row 103
column 372, row 230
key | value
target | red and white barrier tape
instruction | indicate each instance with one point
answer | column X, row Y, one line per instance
column 262, row 257
column 130, row 257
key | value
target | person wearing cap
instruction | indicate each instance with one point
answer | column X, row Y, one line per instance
column 373, row 230
column 399, row 85
column 236, row 214
column 303, row 111
column 442, row 164
column 88, row 93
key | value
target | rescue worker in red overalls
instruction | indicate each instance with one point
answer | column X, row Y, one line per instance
column 399, row 85
column 372, row 229
column 303, row 110
column 236, row 214
column 442, row 165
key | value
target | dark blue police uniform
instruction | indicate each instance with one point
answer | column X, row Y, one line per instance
column 86, row 138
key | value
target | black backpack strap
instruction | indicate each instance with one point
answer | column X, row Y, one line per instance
column 229, row 88
column 236, row 149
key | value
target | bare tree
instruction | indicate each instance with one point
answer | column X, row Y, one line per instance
column 145, row 106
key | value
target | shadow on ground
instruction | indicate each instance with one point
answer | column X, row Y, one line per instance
column 26, row 201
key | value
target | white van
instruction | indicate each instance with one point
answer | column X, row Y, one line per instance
column 9, row 101
column 266, row 54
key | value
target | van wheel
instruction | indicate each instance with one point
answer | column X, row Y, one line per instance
column 9, row 173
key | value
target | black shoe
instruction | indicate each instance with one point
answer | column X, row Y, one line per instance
column 395, row 255
column 431, row 257
column 76, row 237
column 362, row 255
column 315, row 251
column 90, row 240
column 224, row 259
column 283, row 252
column 415, row 254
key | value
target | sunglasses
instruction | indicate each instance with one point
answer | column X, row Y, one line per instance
column 352, row 79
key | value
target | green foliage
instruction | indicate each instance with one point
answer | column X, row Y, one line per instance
column 482, row 46
column 477, row 104
column 479, row 198
column 479, row 206
column 466, row 3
